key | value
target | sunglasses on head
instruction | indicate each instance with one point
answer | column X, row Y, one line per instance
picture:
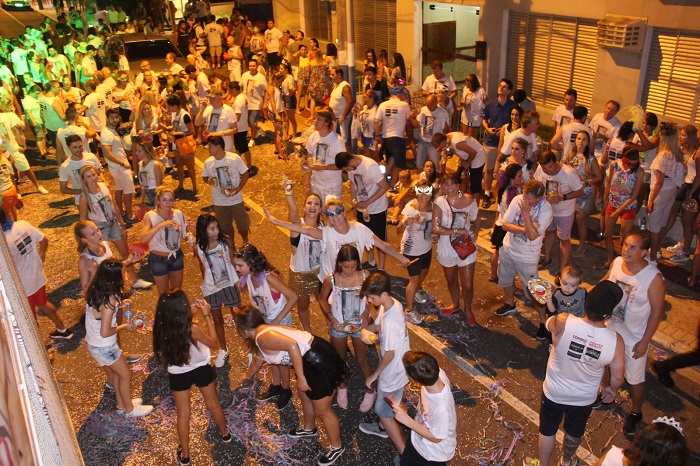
column 424, row 190
column 339, row 209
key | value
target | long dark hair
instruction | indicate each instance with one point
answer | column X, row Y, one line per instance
column 255, row 259
column 432, row 178
column 203, row 222
column 399, row 61
column 658, row 444
column 509, row 174
column 172, row 329
column 248, row 318
column 347, row 253
column 107, row 286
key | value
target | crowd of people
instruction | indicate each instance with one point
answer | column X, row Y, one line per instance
column 144, row 127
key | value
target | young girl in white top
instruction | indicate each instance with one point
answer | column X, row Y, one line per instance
column 509, row 186
column 347, row 315
column 104, row 296
column 163, row 228
column 366, row 121
column 214, row 253
column 183, row 348
column 274, row 106
column 150, row 174
column 275, row 299
column 318, row 368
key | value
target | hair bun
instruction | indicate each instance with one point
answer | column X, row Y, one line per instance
column 667, row 128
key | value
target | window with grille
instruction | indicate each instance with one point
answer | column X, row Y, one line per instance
column 375, row 27
column 549, row 54
column 672, row 78
column 318, row 20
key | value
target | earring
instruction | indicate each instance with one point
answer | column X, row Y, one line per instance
column 459, row 193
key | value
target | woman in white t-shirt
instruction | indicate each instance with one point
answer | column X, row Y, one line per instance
column 509, row 186
column 151, row 172
column 163, row 228
column 474, row 102
column 515, row 114
column 456, row 214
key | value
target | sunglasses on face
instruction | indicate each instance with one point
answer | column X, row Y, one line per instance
column 335, row 212
column 424, row 190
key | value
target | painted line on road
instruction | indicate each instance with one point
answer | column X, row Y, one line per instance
column 8, row 14
column 586, row 456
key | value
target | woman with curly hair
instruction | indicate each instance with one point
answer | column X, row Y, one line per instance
column 275, row 299
column 317, row 365
column 657, row 444
column 104, row 297
column 214, row 252
column 183, row 348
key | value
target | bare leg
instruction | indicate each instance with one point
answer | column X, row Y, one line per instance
column 564, row 253
column 180, row 173
column 392, row 428
column 452, row 284
column 494, row 264
column 361, row 356
column 340, row 345
column 303, row 312
column 182, row 403
column 324, row 412
column 582, row 227
column 688, row 221
column 546, row 446
column 49, row 310
column 122, row 383
column 466, row 279
column 637, row 395
column 570, row 446
column 128, row 211
column 161, row 283
column 218, row 318
column 307, row 409
column 176, row 278
column 211, row 400
column 32, row 177
column 609, row 248
column 189, row 161
column 413, row 284
column 549, row 239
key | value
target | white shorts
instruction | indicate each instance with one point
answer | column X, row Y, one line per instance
column 453, row 260
column 635, row 369
column 21, row 163
column 123, row 180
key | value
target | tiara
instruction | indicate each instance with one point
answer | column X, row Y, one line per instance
column 670, row 421
column 667, row 128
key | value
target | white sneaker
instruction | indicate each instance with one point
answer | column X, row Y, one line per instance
column 680, row 257
column 413, row 317
column 221, row 358
column 42, row 190
column 140, row 411
column 678, row 247
column 141, row 284
column 251, row 143
column 421, row 297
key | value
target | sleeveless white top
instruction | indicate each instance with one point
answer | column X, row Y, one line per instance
column 346, row 303
column 199, row 356
column 147, row 177
column 261, row 296
column 307, row 256
column 99, row 259
column 302, row 338
column 92, row 330
column 218, row 270
column 166, row 239
column 100, row 209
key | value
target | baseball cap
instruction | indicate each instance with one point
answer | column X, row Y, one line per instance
column 602, row 299
column 398, row 90
column 90, row 47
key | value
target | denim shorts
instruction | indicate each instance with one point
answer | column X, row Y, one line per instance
column 150, row 197
column 105, row 355
column 287, row 321
column 336, row 334
column 381, row 407
column 161, row 265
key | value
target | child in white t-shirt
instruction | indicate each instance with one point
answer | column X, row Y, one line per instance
column 433, row 437
column 390, row 328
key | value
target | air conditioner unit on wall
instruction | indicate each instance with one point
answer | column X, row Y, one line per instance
column 622, row 32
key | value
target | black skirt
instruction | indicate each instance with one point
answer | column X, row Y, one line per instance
column 324, row 369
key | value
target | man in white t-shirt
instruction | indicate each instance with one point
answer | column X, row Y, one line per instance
column 431, row 119
column 323, row 177
column 565, row 137
column 604, row 126
column 96, row 106
column 218, row 119
column 563, row 187
column 368, row 188
column 227, row 174
column 118, row 164
column 389, row 127
column 174, row 68
column 471, row 154
column 563, row 113
column 341, row 102
column 254, row 85
column 69, row 171
column 525, row 223
column 214, row 34
column 73, row 126
column 272, row 44
column 434, row 82
column 89, row 65
column 240, row 108
column 529, row 123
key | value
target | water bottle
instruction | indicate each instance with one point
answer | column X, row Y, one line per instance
column 365, row 215
column 643, row 223
column 128, row 314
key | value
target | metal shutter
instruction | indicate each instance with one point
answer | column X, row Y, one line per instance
column 375, row 27
column 549, row 54
column 672, row 78
column 318, row 20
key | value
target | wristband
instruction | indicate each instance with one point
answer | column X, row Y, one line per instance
column 527, row 216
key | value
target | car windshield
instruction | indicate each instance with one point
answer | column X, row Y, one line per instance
column 149, row 50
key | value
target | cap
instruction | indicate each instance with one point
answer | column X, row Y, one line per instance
column 602, row 299
column 90, row 47
column 398, row 90
column 286, row 31
column 215, row 92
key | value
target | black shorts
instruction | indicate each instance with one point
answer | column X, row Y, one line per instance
column 476, row 175
column 201, row 377
column 396, row 148
column 497, row 236
column 410, row 457
column 324, row 369
column 423, row 263
column 377, row 223
column 290, row 102
column 240, row 142
column 575, row 418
